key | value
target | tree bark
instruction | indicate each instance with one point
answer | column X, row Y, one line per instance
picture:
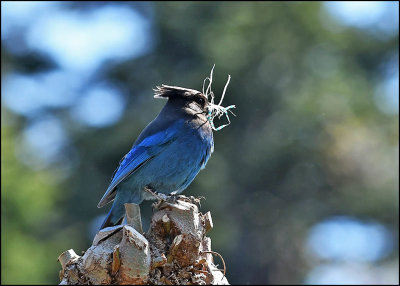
column 174, row 251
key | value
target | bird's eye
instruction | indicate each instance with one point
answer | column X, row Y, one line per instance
column 199, row 100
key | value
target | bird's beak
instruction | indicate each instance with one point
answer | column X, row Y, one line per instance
column 159, row 96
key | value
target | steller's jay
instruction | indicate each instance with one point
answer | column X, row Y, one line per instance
column 169, row 152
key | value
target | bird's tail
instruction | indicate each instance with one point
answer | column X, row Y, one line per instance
column 114, row 217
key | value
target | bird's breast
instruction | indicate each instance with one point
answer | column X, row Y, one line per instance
column 175, row 168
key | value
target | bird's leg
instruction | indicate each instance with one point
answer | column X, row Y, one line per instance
column 161, row 198
column 158, row 196
column 171, row 199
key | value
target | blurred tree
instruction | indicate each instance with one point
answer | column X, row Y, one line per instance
column 309, row 141
column 29, row 214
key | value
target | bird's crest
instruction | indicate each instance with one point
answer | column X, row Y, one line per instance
column 165, row 91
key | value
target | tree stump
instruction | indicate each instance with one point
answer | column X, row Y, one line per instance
column 174, row 251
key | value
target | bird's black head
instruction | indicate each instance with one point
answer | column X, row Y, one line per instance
column 194, row 103
column 188, row 97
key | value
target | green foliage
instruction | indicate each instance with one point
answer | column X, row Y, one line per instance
column 309, row 141
column 27, row 198
column 28, row 209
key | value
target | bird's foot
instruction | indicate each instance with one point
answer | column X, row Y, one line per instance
column 190, row 199
column 160, row 197
column 172, row 199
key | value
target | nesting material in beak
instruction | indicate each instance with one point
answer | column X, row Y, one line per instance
column 216, row 110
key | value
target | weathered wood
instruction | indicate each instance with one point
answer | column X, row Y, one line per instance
column 174, row 251
column 133, row 217
column 67, row 257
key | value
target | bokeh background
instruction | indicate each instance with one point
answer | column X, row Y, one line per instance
column 302, row 186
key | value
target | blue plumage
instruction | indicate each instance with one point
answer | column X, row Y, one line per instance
column 167, row 155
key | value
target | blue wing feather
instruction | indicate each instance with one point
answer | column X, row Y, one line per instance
column 138, row 156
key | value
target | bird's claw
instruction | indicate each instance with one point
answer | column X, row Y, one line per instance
column 191, row 199
column 172, row 199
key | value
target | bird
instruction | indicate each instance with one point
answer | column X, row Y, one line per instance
column 167, row 155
